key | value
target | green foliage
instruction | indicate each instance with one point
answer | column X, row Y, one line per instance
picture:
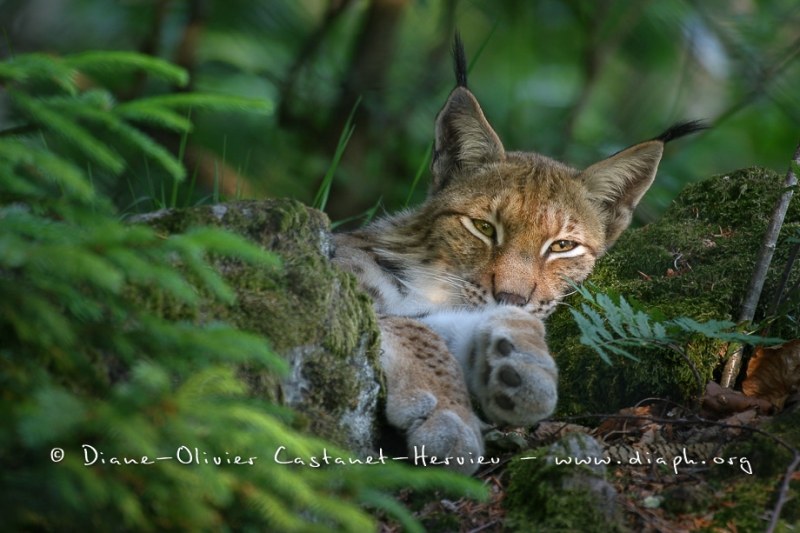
column 70, row 112
column 610, row 324
column 544, row 496
column 551, row 76
column 744, row 500
column 694, row 262
column 83, row 367
column 321, row 198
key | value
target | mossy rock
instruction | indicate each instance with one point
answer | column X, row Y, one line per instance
column 545, row 495
column 312, row 313
column 696, row 262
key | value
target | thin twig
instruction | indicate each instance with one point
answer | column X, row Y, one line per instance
column 784, row 281
column 485, row 526
column 783, row 493
column 756, row 285
column 768, row 246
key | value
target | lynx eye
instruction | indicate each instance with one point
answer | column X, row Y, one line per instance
column 484, row 227
column 562, row 246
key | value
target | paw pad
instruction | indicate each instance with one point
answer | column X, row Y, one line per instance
column 509, row 376
column 504, row 402
column 504, row 347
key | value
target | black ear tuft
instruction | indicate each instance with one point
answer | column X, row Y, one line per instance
column 680, row 129
column 459, row 61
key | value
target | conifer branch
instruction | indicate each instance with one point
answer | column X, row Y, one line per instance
column 105, row 339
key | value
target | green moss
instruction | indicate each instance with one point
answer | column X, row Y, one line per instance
column 768, row 457
column 745, row 499
column 742, row 504
column 686, row 498
column 312, row 313
column 696, row 262
column 537, row 500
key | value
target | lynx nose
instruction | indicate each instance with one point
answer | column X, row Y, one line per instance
column 509, row 298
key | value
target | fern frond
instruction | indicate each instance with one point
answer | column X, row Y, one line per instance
column 641, row 326
column 614, row 315
column 721, row 329
column 630, row 327
column 211, row 381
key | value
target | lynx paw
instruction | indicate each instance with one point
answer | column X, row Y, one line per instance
column 445, row 436
column 432, row 431
column 511, row 371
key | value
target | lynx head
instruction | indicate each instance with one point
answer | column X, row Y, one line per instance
column 518, row 225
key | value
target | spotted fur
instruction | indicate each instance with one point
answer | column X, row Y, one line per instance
column 461, row 284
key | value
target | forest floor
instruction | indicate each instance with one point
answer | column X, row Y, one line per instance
column 658, row 489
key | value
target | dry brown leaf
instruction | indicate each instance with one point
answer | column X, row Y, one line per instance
column 773, row 374
column 650, row 436
column 630, row 420
column 719, row 402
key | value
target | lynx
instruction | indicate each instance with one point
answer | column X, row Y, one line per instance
column 461, row 284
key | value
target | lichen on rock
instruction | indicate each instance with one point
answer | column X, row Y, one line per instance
column 695, row 261
column 312, row 314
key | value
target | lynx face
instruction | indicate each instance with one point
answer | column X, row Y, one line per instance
column 512, row 228
column 516, row 231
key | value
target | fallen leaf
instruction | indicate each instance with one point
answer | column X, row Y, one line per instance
column 773, row 374
column 630, row 420
column 719, row 402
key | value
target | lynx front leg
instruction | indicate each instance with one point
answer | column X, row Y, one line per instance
column 511, row 371
column 505, row 358
column 427, row 394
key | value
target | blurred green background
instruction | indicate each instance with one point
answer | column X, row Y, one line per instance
column 576, row 80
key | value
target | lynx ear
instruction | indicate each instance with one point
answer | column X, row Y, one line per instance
column 463, row 138
column 618, row 183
